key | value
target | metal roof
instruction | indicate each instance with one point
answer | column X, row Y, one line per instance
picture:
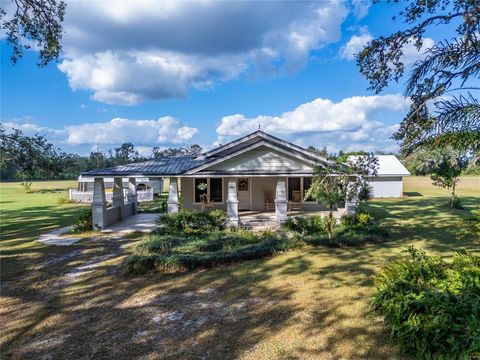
column 172, row 165
column 388, row 165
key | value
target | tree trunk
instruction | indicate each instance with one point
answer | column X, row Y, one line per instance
column 452, row 198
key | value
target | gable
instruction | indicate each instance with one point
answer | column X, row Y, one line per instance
column 262, row 159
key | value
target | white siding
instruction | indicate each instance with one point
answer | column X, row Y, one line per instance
column 262, row 159
column 387, row 186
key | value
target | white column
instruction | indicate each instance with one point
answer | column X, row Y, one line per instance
column 172, row 202
column 117, row 198
column 99, row 204
column 351, row 205
column 232, row 202
column 281, row 203
column 132, row 194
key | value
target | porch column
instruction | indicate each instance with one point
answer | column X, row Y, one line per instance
column 232, row 202
column 99, row 204
column 172, row 202
column 117, row 198
column 351, row 205
column 132, row 194
column 281, row 203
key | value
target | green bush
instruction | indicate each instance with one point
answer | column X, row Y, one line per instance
column 346, row 220
column 64, row 200
column 305, row 224
column 191, row 222
column 363, row 218
column 83, row 223
column 351, row 235
column 456, row 203
column 176, row 260
column 432, row 307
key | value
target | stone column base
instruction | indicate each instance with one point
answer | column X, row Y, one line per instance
column 172, row 207
column 281, row 207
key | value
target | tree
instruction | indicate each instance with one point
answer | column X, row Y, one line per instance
column 450, row 67
column 30, row 156
column 125, row 154
column 446, row 173
column 34, row 23
column 334, row 184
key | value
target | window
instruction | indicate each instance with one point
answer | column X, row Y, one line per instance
column 216, row 190
column 243, row 184
column 211, row 188
column 201, row 188
column 293, row 185
column 307, row 182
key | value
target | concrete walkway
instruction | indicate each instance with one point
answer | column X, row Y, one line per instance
column 139, row 222
column 54, row 238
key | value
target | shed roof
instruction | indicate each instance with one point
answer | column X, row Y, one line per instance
column 388, row 165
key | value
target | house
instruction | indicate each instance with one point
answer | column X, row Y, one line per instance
column 257, row 172
column 389, row 179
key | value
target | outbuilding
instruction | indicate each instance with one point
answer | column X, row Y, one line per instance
column 389, row 179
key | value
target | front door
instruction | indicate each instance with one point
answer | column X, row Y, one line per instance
column 243, row 194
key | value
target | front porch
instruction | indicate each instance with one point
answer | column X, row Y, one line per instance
column 262, row 220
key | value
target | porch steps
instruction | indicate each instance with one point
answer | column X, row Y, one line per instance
column 259, row 222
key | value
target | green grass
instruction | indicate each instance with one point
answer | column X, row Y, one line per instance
column 24, row 216
column 311, row 303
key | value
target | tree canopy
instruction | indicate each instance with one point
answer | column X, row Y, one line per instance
column 445, row 79
column 34, row 23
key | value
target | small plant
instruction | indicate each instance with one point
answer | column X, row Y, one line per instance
column 431, row 306
column 64, row 200
column 27, row 186
column 346, row 220
column 456, row 203
column 363, row 218
column 84, row 223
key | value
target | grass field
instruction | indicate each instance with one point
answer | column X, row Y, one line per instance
column 311, row 303
column 24, row 216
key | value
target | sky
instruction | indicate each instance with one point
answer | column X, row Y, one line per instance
column 177, row 73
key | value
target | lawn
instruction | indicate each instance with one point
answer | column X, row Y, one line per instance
column 24, row 216
column 311, row 303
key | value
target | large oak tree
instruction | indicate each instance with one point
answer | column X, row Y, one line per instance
column 446, row 79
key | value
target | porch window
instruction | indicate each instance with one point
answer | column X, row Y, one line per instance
column 201, row 191
column 307, row 182
column 293, row 185
column 216, row 190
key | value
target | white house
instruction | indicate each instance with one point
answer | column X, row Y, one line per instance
column 389, row 179
column 256, row 173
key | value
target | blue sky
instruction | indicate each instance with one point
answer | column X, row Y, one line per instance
column 173, row 74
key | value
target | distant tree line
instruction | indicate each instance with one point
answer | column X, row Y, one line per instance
column 25, row 157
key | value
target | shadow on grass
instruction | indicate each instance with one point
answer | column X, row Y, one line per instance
column 19, row 231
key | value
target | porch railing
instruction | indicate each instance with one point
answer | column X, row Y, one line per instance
column 87, row 196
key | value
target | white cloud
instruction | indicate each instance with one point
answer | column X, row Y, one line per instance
column 129, row 52
column 361, row 7
column 412, row 54
column 163, row 131
column 355, row 45
column 139, row 132
column 355, row 121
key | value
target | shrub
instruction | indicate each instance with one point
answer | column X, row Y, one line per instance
column 177, row 261
column 363, row 218
column 346, row 220
column 192, row 222
column 305, row 224
column 432, row 307
column 351, row 235
column 64, row 200
column 83, row 223
column 456, row 203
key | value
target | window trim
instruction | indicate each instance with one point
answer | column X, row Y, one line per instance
column 208, row 192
